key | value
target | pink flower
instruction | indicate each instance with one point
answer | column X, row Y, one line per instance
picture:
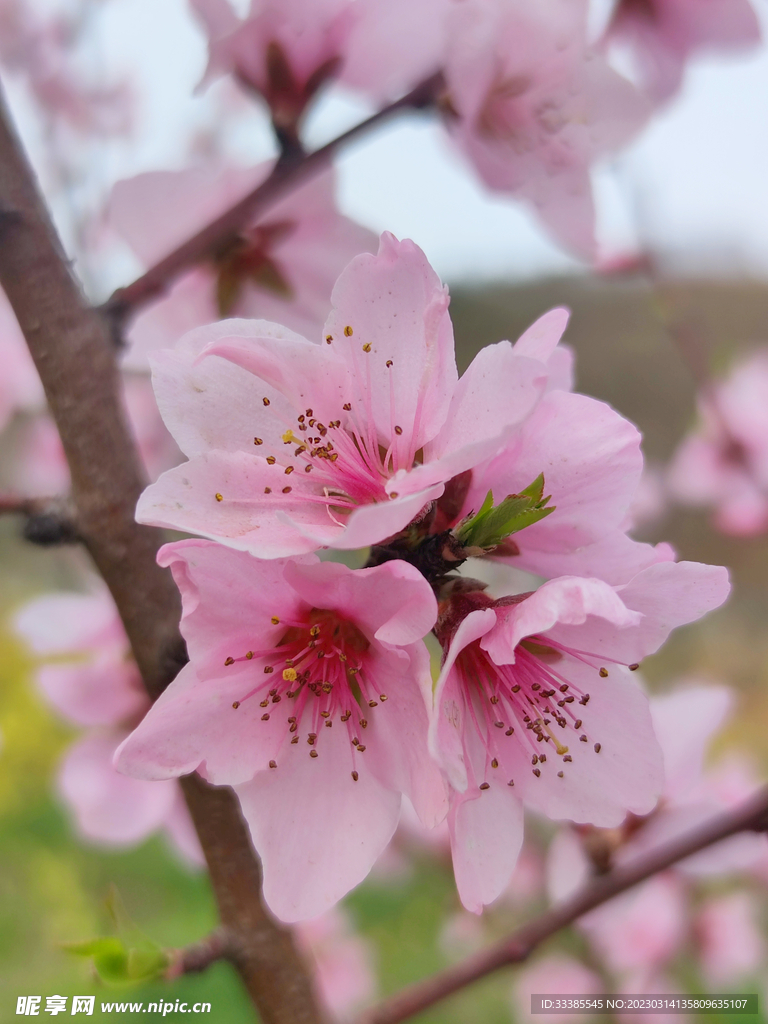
column 307, row 690
column 343, row 962
column 284, row 49
column 37, row 463
column 102, row 691
column 526, row 711
column 662, row 35
column 555, row 974
column 282, row 267
column 724, row 463
column 368, row 423
column 535, row 106
column 732, row 946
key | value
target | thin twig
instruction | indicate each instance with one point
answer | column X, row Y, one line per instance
column 751, row 815
column 199, row 956
column 47, row 521
column 289, row 172
column 72, row 348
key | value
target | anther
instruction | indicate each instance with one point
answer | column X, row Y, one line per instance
column 267, row 490
column 494, row 699
column 229, row 661
column 383, row 697
column 509, row 732
column 265, row 401
column 329, row 338
column 219, row 497
column 355, row 776
column 485, row 785
column 249, row 655
column 537, row 772
column 295, row 739
column 363, row 723
column 294, row 727
column 560, row 775
column 329, row 723
column 307, row 469
column 367, row 347
column 273, row 764
column 598, row 747
column 543, row 758
column 263, row 703
column 236, row 705
column 511, row 782
column 360, row 748
column 265, row 718
column 287, row 490
column 348, row 332
column 373, row 703
column 276, row 699
column 567, row 757
column 583, row 738
column 499, row 725
column 290, row 675
column 258, row 440
column 311, row 739
column 389, row 362
column 634, row 668
column 535, row 759
column 268, row 669
column 585, row 699
column 271, row 460
column 563, row 688
column 313, row 753
column 494, row 763
column 325, row 714
column 288, row 470
column 603, row 673
column 347, row 406
column 578, row 723
column 398, row 430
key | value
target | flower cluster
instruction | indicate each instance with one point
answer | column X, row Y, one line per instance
column 308, row 687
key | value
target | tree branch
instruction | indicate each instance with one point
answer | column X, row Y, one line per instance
column 200, row 955
column 72, row 349
column 751, row 815
column 289, row 172
column 47, row 521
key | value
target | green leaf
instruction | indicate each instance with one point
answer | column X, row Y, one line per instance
column 493, row 523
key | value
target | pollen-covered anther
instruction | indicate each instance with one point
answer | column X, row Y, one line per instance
column 383, row 697
column 249, row 655
column 537, row 772
column 347, row 406
column 265, row 717
column 313, row 753
column 271, row 460
column 328, row 338
column 287, row 490
column 265, row 401
column 219, row 497
column 389, row 363
column 267, row 490
column 398, row 430
column 229, row 661
column 348, row 332
column 485, row 785
column 258, row 440
column 494, row 763
column 355, row 776
column 290, row 675
column 236, row 704
column 373, row 703
column 367, row 347
column 603, row 673
column 273, row 764
column 289, row 469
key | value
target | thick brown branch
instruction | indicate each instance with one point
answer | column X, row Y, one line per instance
column 752, row 815
column 72, row 349
column 289, row 172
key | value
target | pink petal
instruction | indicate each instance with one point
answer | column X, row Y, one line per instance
column 193, row 724
column 447, row 725
column 685, row 722
column 317, row 832
column 70, row 623
column 181, row 832
column 615, row 558
column 497, row 392
column 104, row 692
column 214, row 404
column 108, row 807
column 395, row 303
column 270, row 524
column 486, row 837
column 392, row 602
column 565, row 602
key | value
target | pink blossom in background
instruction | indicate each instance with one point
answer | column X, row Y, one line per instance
column 283, row 49
column 20, row 387
column 343, row 962
column 37, row 465
column 307, row 690
column 339, row 421
column 555, row 974
column 281, row 268
column 534, row 706
column 731, row 943
column 663, row 35
column 94, row 683
column 532, row 106
column 723, row 464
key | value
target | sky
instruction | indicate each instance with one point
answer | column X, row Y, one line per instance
column 692, row 187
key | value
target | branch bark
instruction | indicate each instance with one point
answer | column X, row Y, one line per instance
column 752, row 815
column 72, row 348
column 289, row 172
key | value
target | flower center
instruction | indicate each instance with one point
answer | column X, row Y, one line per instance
column 318, row 665
column 530, row 705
